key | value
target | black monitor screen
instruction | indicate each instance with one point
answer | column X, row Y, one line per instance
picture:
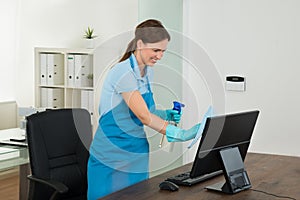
column 220, row 132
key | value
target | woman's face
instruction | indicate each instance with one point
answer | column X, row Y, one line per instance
column 150, row 53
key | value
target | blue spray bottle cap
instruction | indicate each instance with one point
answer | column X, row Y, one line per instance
column 177, row 106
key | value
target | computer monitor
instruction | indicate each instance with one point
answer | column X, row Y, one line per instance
column 225, row 140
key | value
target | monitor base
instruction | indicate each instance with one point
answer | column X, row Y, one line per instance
column 235, row 174
column 224, row 188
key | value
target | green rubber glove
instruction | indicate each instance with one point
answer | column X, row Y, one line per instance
column 169, row 115
column 175, row 134
column 173, row 115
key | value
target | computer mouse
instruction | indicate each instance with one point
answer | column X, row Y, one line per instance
column 167, row 185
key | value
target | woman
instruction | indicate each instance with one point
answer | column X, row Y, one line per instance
column 119, row 153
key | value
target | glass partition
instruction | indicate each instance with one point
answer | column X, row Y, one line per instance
column 167, row 86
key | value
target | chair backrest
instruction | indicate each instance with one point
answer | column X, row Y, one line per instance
column 58, row 144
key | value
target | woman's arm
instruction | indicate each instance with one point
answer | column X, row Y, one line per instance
column 138, row 106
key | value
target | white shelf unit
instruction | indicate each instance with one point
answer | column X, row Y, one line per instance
column 60, row 93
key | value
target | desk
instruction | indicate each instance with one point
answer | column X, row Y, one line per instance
column 270, row 173
column 22, row 161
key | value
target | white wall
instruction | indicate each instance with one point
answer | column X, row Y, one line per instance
column 8, row 17
column 59, row 23
column 260, row 40
column 255, row 38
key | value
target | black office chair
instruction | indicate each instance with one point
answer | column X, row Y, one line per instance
column 58, row 144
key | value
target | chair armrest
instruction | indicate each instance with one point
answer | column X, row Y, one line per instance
column 58, row 186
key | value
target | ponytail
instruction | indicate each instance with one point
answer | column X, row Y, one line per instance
column 130, row 49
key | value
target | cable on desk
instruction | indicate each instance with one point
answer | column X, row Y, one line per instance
column 274, row 195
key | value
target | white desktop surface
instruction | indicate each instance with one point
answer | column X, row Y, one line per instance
column 21, row 161
column 7, row 134
column 11, row 133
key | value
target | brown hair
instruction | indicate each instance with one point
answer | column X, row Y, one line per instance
column 149, row 31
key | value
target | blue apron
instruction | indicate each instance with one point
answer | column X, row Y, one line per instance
column 122, row 155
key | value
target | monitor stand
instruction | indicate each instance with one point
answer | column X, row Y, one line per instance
column 235, row 174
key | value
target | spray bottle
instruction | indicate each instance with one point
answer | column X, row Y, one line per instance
column 176, row 106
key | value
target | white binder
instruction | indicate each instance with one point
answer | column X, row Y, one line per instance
column 85, row 99
column 77, row 69
column 55, row 73
column 43, row 69
column 82, row 70
column 71, row 70
column 50, row 69
column 86, row 71
column 52, row 98
column 55, row 98
column 44, row 98
column 58, row 67
column 91, row 105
